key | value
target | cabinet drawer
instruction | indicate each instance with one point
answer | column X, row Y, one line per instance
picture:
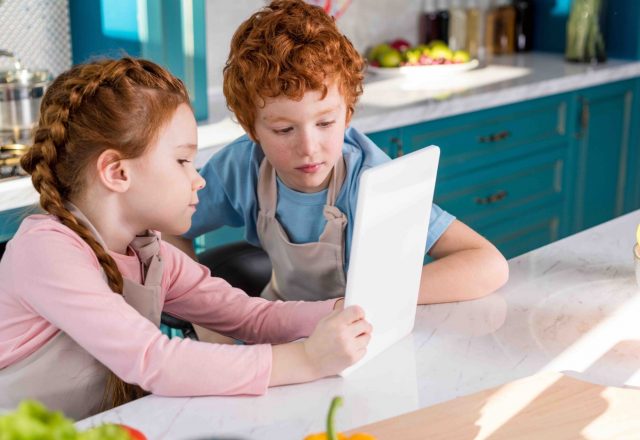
column 531, row 230
column 502, row 191
column 471, row 141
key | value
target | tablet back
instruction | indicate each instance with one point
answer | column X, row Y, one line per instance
column 389, row 241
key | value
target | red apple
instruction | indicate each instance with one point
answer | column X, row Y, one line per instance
column 400, row 44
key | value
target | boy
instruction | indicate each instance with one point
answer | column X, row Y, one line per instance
column 292, row 80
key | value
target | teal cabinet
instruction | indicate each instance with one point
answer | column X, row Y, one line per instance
column 218, row 237
column 603, row 142
column 526, row 174
column 389, row 141
column 504, row 171
column 522, row 175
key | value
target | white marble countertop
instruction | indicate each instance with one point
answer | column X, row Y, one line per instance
column 389, row 103
column 570, row 306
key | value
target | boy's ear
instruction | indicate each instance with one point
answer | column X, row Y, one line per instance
column 349, row 115
column 113, row 171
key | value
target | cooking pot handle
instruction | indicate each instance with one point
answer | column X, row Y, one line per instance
column 16, row 62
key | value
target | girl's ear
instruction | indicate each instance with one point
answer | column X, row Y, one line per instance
column 113, row 171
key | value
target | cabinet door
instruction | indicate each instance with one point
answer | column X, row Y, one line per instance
column 602, row 137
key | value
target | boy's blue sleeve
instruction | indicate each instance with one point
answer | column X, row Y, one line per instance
column 439, row 221
column 228, row 197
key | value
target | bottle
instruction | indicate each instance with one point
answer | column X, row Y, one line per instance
column 500, row 28
column 585, row 42
column 506, row 27
column 476, row 28
column 457, row 26
column 429, row 26
column 524, row 25
column 443, row 19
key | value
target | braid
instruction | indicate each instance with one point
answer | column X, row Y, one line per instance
column 66, row 139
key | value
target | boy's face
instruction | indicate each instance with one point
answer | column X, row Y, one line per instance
column 303, row 139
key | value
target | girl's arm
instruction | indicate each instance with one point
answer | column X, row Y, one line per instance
column 466, row 266
column 71, row 295
column 196, row 296
column 338, row 341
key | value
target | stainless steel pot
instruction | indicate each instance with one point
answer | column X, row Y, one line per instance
column 21, row 92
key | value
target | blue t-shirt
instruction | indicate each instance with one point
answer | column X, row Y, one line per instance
column 230, row 196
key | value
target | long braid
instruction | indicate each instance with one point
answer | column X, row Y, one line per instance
column 55, row 175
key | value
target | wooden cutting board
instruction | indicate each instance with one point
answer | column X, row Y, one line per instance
column 545, row 406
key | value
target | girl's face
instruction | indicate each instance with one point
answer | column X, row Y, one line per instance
column 164, row 181
column 303, row 139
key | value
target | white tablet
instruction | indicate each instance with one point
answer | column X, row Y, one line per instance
column 388, row 246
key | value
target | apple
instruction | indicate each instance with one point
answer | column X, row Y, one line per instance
column 390, row 58
column 461, row 56
column 377, row 50
column 400, row 44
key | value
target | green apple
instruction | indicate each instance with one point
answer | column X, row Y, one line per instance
column 377, row 50
column 461, row 56
column 441, row 53
column 433, row 44
column 390, row 58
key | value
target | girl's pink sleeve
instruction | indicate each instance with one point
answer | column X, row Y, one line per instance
column 58, row 278
column 194, row 295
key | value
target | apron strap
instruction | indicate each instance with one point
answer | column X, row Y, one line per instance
column 268, row 190
column 145, row 297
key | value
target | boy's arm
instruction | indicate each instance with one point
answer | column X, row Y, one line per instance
column 466, row 266
column 184, row 244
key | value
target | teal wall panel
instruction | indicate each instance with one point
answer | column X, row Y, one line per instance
column 169, row 32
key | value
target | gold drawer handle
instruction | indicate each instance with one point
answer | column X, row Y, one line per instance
column 495, row 137
column 493, row 198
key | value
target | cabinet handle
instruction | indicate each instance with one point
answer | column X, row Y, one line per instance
column 585, row 115
column 495, row 137
column 493, row 198
column 398, row 143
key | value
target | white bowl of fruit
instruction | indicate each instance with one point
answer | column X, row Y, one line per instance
column 399, row 58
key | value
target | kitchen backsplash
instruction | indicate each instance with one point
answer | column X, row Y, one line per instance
column 365, row 22
column 37, row 32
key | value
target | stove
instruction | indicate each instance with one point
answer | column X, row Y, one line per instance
column 10, row 155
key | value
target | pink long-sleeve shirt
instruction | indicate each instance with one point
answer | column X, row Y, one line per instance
column 52, row 282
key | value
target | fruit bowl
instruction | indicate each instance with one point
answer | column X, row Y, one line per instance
column 422, row 70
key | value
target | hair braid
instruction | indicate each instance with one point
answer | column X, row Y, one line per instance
column 57, row 158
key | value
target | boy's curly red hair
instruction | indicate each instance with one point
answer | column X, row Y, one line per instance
column 288, row 48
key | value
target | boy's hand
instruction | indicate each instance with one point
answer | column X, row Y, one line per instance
column 338, row 341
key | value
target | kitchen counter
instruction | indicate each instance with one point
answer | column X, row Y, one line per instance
column 570, row 306
column 395, row 102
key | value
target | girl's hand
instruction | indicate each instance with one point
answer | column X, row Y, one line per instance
column 338, row 341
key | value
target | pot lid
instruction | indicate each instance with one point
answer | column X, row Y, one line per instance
column 20, row 75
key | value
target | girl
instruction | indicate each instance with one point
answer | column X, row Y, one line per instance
column 84, row 286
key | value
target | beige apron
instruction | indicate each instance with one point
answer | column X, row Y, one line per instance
column 307, row 271
column 63, row 375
